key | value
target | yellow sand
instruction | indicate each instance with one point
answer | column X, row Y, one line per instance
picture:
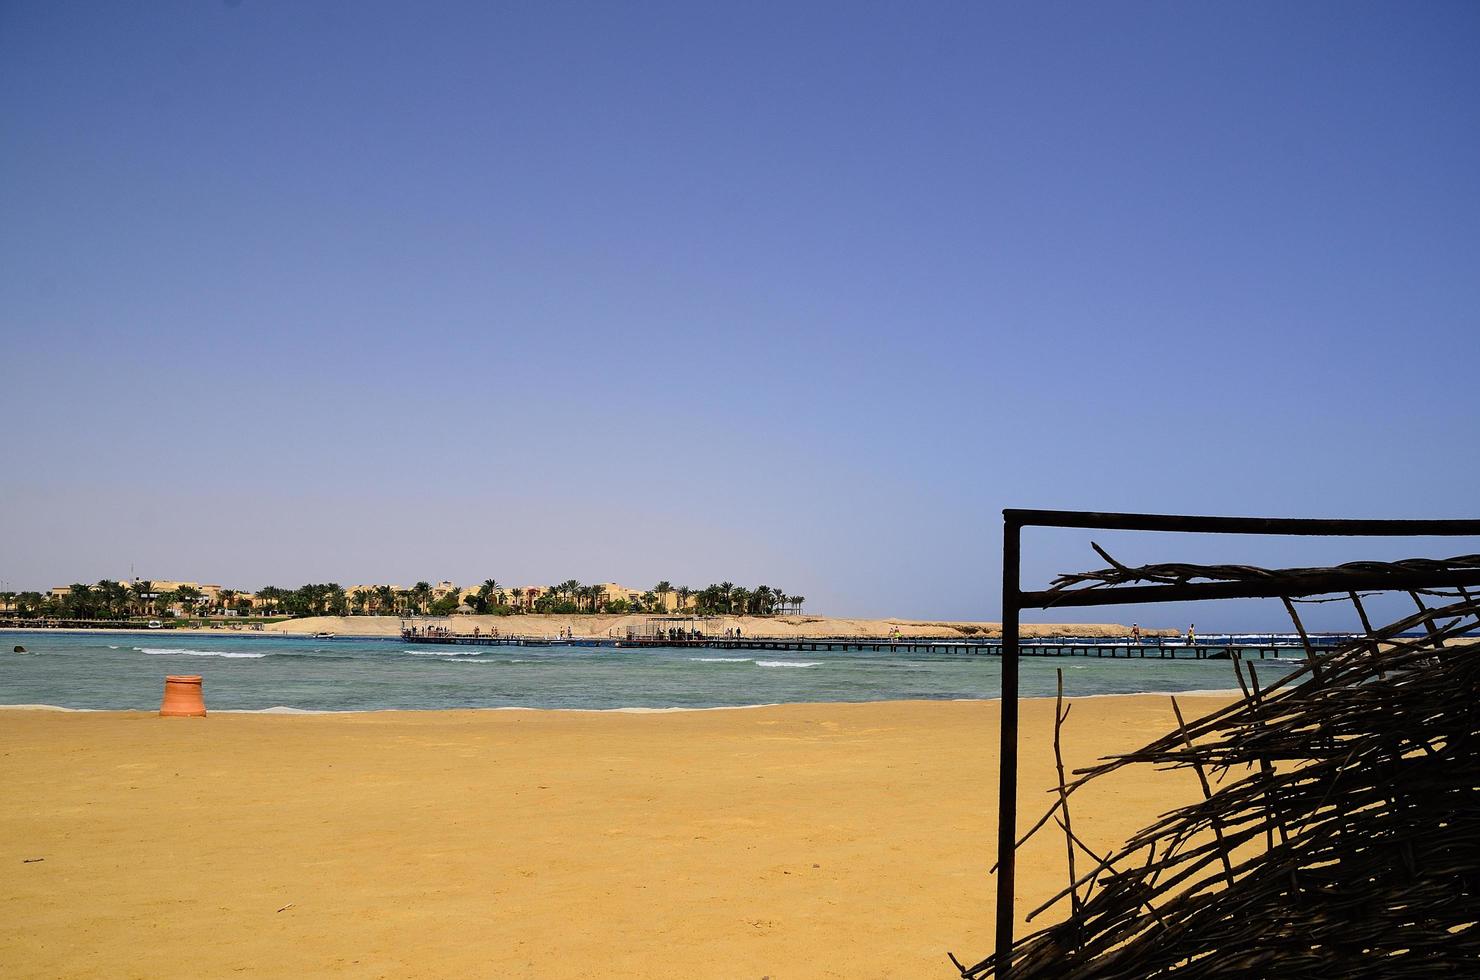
column 793, row 841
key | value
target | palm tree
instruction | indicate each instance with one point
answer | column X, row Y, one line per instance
column 662, row 589
column 796, row 603
column 420, row 595
column 725, row 591
column 488, row 590
column 8, row 599
column 187, row 596
column 518, row 595
column 273, row 597
column 683, row 596
column 141, row 591
column 762, row 599
column 78, row 602
column 385, row 600
column 114, row 596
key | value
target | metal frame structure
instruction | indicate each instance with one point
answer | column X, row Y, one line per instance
column 1014, row 601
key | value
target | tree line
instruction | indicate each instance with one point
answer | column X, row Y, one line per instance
column 114, row 600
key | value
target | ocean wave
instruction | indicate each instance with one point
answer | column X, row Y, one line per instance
column 443, row 653
column 788, row 663
column 719, row 660
column 180, row 651
column 277, row 709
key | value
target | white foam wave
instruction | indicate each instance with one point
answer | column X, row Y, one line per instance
column 112, row 647
column 277, row 709
column 788, row 663
column 719, row 660
column 180, row 651
column 443, row 653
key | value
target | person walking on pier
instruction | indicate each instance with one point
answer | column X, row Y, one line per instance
column 1136, row 633
column 1192, row 634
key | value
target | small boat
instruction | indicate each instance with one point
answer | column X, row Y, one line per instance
column 155, row 624
column 323, row 636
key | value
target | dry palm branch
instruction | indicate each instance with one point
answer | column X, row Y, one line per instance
column 1339, row 830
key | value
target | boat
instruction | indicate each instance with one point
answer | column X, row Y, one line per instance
column 155, row 624
column 323, row 636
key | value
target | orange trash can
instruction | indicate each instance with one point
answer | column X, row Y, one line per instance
column 183, row 697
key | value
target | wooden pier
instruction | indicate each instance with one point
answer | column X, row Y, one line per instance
column 1071, row 647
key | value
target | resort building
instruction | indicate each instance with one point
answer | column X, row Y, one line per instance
column 210, row 595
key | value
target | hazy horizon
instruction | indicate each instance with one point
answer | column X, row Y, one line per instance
column 801, row 296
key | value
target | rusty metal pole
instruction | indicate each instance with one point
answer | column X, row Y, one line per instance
column 1007, row 752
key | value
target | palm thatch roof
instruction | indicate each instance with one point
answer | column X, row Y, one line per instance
column 1339, row 830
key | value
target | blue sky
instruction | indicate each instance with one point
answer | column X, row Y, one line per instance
column 802, row 294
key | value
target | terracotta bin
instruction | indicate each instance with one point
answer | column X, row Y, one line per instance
column 183, row 697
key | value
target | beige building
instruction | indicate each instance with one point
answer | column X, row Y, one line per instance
column 157, row 587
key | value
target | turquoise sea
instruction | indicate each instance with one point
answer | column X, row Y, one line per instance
column 126, row 671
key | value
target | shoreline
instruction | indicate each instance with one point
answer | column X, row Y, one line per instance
column 636, row 710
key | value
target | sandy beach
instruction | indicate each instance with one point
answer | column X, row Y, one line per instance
column 809, row 840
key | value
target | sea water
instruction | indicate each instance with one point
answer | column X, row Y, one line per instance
column 126, row 671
